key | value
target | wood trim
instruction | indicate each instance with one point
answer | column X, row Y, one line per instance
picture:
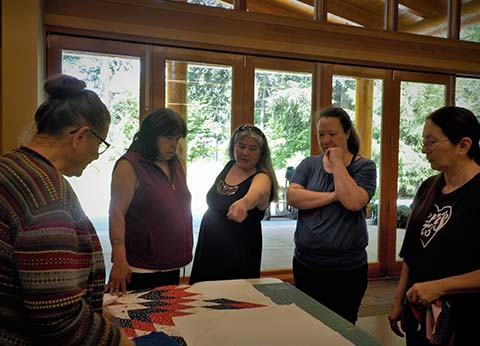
column 454, row 18
column 391, row 108
column 57, row 43
column 240, row 5
column 391, row 15
column 201, row 56
column 375, row 270
column 380, row 268
column 317, row 88
column 283, row 65
column 242, row 32
column 355, row 71
column 389, row 171
column 238, row 90
column 320, row 11
column 249, row 93
column 322, row 83
column 95, row 45
column 54, row 55
column 451, row 90
column 421, row 77
column 157, row 87
column 233, row 60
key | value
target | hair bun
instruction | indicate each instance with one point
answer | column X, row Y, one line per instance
column 63, row 86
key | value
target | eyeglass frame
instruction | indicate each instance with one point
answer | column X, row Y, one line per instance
column 429, row 142
column 102, row 141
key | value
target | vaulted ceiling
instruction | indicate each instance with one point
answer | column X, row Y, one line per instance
column 414, row 16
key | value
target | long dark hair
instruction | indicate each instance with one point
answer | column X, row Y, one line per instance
column 163, row 122
column 69, row 104
column 353, row 142
column 456, row 123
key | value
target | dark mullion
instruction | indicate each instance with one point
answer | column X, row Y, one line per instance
column 391, row 15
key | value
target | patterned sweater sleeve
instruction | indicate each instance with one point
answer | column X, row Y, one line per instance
column 52, row 274
column 51, row 284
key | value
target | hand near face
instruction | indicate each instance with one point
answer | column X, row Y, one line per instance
column 237, row 211
column 334, row 155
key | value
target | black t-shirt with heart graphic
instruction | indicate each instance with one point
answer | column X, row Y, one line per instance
column 446, row 244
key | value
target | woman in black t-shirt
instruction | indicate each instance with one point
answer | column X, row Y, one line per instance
column 441, row 249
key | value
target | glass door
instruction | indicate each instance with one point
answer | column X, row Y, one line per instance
column 201, row 86
column 359, row 91
column 282, row 99
column 113, row 71
column 420, row 94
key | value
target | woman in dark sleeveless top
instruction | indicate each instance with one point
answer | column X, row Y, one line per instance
column 230, row 239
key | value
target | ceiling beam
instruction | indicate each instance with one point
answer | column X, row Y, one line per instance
column 351, row 11
column 287, row 8
column 437, row 24
column 199, row 27
column 425, row 8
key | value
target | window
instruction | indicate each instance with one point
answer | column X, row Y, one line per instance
column 470, row 21
column 283, row 106
column 417, row 101
column 424, row 18
column 467, row 92
column 202, row 93
column 362, row 99
column 116, row 79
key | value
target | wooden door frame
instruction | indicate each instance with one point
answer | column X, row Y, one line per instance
column 375, row 269
column 282, row 65
column 152, row 95
column 56, row 43
column 390, row 224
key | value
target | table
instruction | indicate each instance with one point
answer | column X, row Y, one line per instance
column 284, row 293
column 140, row 313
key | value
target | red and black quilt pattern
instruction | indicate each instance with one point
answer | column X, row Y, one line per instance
column 142, row 312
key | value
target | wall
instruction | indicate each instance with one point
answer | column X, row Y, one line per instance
column 23, row 64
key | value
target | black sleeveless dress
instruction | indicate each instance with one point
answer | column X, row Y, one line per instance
column 227, row 249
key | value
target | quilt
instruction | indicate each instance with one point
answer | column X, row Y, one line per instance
column 141, row 312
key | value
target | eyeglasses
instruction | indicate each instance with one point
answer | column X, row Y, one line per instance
column 430, row 142
column 102, row 146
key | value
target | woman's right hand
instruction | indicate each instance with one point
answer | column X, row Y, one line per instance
column 119, row 275
column 396, row 316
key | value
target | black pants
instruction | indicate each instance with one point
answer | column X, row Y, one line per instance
column 340, row 291
column 143, row 281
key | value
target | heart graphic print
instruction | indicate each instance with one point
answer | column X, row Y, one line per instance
column 434, row 223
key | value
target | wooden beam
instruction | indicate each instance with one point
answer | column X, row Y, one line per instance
column 438, row 23
column 176, row 24
column 320, row 11
column 454, row 17
column 240, row 5
column 280, row 8
column 391, row 15
column 425, row 8
column 353, row 12
column 177, row 98
column 364, row 114
column 451, row 89
column 389, row 158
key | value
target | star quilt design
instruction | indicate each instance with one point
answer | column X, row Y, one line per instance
column 142, row 312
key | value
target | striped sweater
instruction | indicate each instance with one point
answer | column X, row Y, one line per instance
column 52, row 274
